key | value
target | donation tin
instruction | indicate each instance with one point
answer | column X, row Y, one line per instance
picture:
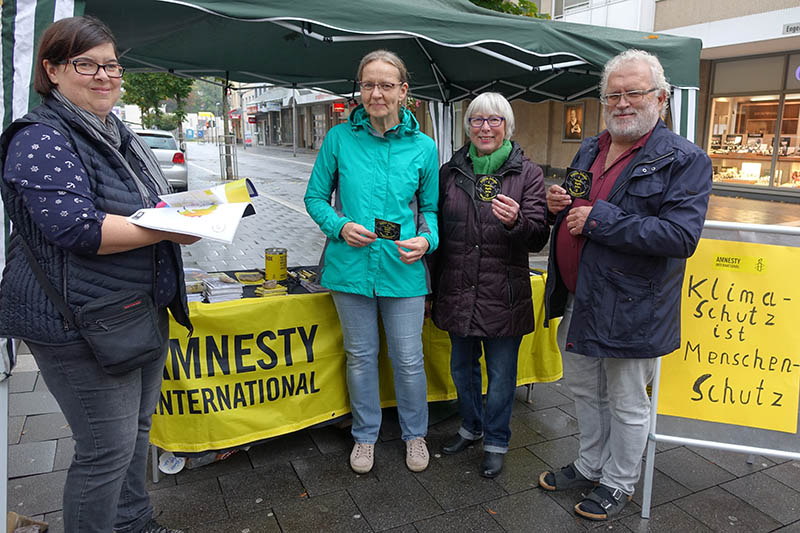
column 275, row 264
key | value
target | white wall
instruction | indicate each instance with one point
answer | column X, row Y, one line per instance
column 623, row 14
column 749, row 29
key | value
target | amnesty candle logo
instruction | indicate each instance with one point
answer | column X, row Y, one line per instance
column 740, row 263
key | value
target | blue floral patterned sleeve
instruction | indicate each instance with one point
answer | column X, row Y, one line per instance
column 45, row 170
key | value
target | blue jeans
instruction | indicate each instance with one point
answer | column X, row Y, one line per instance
column 402, row 322
column 613, row 411
column 501, row 373
column 110, row 418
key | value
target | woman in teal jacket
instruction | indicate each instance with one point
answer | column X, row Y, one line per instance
column 384, row 173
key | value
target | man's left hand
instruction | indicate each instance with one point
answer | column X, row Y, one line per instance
column 411, row 250
column 576, row 218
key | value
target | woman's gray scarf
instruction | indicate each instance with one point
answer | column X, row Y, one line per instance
column 108, row 134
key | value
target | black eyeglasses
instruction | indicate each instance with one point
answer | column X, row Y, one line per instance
column 385, row 87
column 633, row 97
column 90, row 68
column 477, row 122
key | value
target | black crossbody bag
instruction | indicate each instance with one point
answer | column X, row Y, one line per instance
column 121, row 328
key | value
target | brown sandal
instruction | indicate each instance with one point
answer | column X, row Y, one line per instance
column 566, row 478
column 602, row 503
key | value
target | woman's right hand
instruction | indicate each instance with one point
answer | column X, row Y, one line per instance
column 357, row 235
column 557, row 199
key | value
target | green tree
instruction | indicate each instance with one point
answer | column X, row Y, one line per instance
column 148, row 91
column 178, row 89
column 204, row 96
column 526, row 8
column 142, row 90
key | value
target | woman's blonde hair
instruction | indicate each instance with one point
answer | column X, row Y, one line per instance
column 387, row 57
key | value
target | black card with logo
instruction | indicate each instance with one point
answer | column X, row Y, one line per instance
column 387, row 230
column 578, row 183
column 487, row 188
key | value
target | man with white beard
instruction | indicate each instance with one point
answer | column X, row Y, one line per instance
column 629, row 214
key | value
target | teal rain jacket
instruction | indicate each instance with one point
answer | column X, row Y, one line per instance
column 392, row 177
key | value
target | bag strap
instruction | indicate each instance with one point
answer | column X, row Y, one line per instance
column 47, row 286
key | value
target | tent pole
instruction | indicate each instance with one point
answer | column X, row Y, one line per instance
column 294, row 120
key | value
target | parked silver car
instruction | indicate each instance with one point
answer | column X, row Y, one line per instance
column 170, row 157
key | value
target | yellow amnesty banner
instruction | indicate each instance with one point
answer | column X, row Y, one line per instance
column 261, row 367
column 739, row 360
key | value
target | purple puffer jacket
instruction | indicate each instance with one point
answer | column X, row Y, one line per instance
column 481, row 279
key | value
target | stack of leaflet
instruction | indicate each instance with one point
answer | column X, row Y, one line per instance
column 308, row 279
column 222, row 289
column 194, row 278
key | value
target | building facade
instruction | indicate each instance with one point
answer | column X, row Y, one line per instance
column 749, row 117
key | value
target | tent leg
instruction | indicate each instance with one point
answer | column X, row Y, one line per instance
column 294, row 122
column 154, row 461
column 529, row 396
column 4, row 451
column 651, row 445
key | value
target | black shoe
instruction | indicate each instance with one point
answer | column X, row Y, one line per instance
column 154, row 527
column 457, row 444
column 492, row 464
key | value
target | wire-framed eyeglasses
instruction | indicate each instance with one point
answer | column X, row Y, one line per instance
column 90, row 68
column 633, row 97
column 477, row 122
column 384, row 87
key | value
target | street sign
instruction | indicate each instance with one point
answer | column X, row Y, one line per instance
column 251, row 120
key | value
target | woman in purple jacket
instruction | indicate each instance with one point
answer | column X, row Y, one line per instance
column 492, row 213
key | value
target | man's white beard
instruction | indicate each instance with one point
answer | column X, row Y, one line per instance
column 644, row 120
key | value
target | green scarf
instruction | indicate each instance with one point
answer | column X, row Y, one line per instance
column 489, row 164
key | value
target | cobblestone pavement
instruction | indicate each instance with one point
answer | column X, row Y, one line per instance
column 302, row 481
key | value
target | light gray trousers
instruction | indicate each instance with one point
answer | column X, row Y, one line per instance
column 613, row 412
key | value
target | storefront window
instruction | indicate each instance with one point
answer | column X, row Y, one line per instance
column 787, row 168
column 741, row 140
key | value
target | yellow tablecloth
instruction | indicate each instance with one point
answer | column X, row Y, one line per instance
column 261, row 367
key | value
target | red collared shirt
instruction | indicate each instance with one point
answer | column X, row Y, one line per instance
column 568, row 247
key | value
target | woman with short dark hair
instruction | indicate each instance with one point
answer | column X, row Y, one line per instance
column 72, row 173
column 491, row 214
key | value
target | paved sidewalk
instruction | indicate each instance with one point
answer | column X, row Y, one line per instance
column 302, row 481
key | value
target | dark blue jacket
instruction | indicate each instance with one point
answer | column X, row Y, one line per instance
column 25, row 310
column 627, row 299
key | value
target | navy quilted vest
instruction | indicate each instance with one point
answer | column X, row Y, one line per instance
column 25, row 310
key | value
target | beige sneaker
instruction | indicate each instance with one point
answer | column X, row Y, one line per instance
column 362, row 457
column 417, row 454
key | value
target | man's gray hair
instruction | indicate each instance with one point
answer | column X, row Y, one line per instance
column 491, row 104
column 659, row 80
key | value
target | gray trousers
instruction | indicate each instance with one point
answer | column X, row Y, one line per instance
column 110, row 418
column 613, row 412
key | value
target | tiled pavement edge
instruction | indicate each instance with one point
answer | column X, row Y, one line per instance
column 302, row 481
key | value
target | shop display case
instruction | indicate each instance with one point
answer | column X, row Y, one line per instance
column 741, row 141
column 787, row 166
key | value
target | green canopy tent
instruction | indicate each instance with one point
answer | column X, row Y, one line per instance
column 453, row 49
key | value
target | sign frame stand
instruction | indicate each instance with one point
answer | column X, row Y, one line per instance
column 750, row 230
column 653, row 438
